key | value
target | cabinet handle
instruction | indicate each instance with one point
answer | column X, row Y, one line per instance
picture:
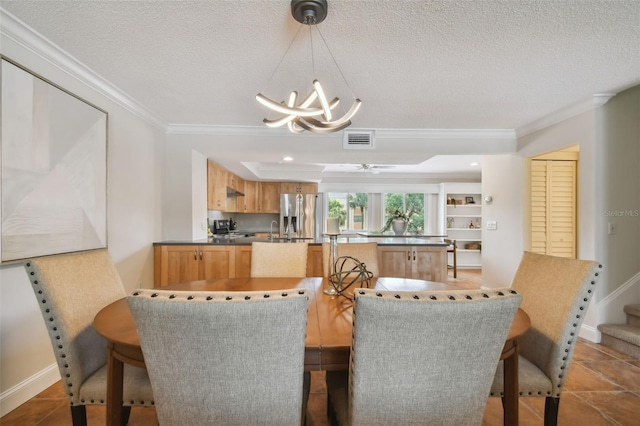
column 200, row 254
column 414, row 256
column 409, row 256
column 195, row 255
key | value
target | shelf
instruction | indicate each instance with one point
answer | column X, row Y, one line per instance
column 464, row 215
column 468, row 250
column 464, row 229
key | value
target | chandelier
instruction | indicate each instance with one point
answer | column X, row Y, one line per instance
column 315, row 112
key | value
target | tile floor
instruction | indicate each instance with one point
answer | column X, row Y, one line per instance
column 603, row 388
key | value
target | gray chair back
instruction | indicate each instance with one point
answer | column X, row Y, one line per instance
column 426, row 357
column 71, row 288
column 224, row 358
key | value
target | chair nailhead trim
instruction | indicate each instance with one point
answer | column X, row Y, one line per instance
column 228, row 298
column 173, row 296
column 190, row 298
column 209, row 297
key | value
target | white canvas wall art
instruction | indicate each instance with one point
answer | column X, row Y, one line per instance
column 54, row 169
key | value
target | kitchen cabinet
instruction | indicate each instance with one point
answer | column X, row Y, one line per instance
column 425, row 263
column 216, row 187
column 314, row 261
column 180, row 263
column 243, row 261
column 249, row 202
column 298, row 188
column 269, row 196
column 233, row 181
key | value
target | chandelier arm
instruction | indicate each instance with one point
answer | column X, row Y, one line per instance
column 300, row 112
column 307, row 125
column 323, row 100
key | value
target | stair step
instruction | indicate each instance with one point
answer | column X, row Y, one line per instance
column 633, row 314
column 626, row 332
column 621, row 337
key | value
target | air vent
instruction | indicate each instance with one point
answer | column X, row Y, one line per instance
column 359, row 139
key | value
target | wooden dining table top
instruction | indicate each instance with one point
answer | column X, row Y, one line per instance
column 329, row 318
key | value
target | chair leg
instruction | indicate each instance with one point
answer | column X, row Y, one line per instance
column 126, row 412
column 79, row 415
column 551, row 406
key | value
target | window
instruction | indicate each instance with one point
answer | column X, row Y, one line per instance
column 351, row 208
column 406, row 203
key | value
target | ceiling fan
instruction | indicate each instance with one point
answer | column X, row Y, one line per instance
column 371, row 168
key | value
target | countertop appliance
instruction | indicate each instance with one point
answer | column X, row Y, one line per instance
column 221, row 226
column 301, row 215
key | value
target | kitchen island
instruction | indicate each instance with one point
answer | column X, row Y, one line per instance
column 230, row 257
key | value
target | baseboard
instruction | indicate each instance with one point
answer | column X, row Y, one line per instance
column 590, row 333
column 22, row 392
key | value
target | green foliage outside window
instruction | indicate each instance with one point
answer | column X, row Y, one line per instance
column 337, row 210
column 408, row 205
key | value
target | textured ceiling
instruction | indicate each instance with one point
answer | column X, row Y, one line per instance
column 415, row 64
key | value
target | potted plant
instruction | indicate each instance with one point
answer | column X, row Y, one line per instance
column 398, row 221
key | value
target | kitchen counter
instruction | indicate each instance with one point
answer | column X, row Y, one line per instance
column 382, row 240
column 226, row 256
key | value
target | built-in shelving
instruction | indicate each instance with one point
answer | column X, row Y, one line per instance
column 463, row 222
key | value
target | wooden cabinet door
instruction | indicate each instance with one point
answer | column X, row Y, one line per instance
column 216, row 187
column 250, row 200
column 243, row 261
column 429, row 263
column 395, row 261
column 289, row 188
column 216, row 262
column 314, row 261
column 269, row 197
column 308, row 188
column 175, row 264
column 298, row 188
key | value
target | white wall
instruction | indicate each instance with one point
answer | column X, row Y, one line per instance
column 135, row 148
column 578, row 130
column 618, row 177
column 502, row 178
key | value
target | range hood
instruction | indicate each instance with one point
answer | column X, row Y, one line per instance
column 234, row 193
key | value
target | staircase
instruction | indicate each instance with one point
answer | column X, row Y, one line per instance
column 624, row 337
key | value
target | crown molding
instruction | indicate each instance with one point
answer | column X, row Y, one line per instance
column 563, row 114
column 20, row 33
column 424, row 134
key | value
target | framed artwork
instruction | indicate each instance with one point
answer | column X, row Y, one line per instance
column 53, row 168
column 469, row 200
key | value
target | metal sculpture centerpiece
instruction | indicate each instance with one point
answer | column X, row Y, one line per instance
column 347, row 272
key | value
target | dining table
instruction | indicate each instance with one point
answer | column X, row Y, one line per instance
column 328, row 339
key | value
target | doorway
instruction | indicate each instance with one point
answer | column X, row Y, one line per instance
column 554, row 202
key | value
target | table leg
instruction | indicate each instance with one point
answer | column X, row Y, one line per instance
column 511, row 388
column 115, row 373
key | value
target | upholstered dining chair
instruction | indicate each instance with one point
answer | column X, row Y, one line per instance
column 555, row 294
column 71, row 288
column 224, row 358
column 421, row 357
column 366, row 253
column 279, row 259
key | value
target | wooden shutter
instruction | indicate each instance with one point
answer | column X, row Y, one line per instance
column 553, row 207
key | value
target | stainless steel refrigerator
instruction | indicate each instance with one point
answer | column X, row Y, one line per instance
column 302, row 215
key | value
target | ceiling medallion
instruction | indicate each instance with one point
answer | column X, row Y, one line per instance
column 314, row 112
